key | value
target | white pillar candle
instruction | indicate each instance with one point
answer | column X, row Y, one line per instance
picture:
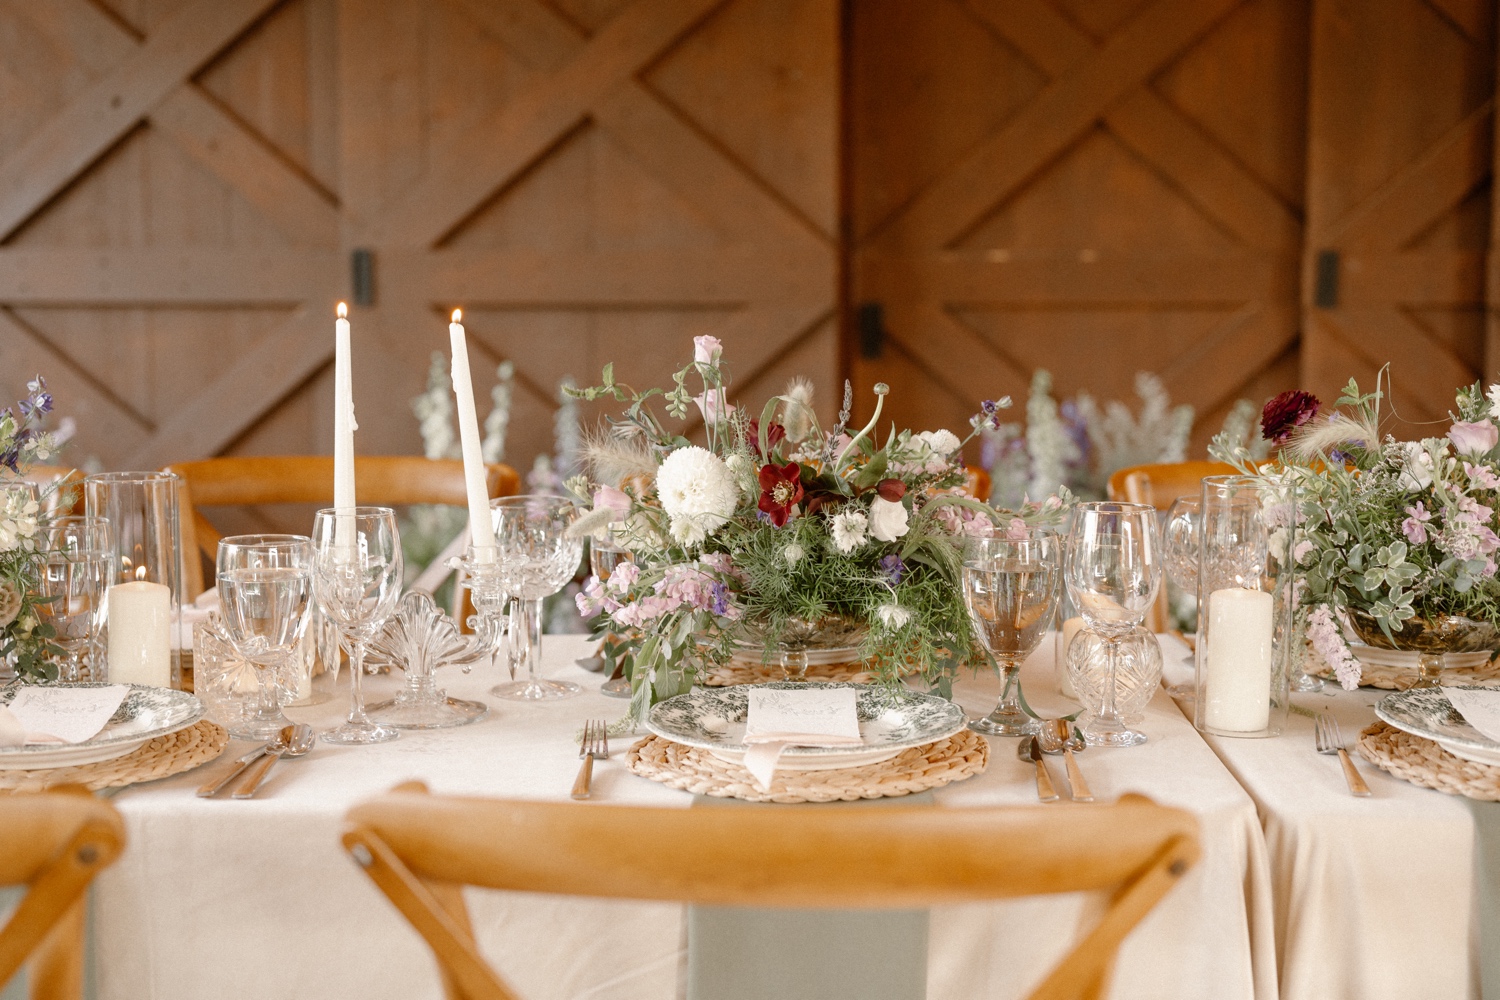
column 1064, row 675
column 139, row 616
column 344, row 427
column 1237, row 661
column 481, row 530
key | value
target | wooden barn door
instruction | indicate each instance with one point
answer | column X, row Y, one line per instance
column 1096, row 188
column 1398, row 200
column 183, row 184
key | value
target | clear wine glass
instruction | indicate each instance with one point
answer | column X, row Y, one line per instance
column 603, row 558
column 537, row 558
column 1112, row 571
column 77, row 559
column 357, row 581
column 265, row 594
column 1180, row 542
column 1010, row 587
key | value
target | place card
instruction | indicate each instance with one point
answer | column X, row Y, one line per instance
column 1480, row 709
column 61, row 714
column 813, row 717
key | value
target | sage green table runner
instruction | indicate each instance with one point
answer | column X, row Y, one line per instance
column 737, row 953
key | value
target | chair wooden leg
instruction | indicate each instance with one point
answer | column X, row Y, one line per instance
column 1084, row 972
column 55, row 971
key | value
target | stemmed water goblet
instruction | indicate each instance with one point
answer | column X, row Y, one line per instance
column 1112, row 571
column 1010, row 587
column 265, row 594
column 1180, row 544
column 77, row 558
column 536, row 557
column 357, row 571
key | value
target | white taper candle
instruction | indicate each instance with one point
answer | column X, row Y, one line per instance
column 481, row 530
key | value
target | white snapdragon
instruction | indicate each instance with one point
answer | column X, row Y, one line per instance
column 850, row 530
column 697, row 491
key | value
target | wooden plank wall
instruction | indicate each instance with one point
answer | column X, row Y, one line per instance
column 1093, row 186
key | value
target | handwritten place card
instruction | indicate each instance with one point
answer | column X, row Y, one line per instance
column 777, row 719
column 1481, row 709
column 64, row 714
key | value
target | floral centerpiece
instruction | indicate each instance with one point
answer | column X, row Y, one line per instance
column 776, row 527
column 25, row 635
column 1389, row 536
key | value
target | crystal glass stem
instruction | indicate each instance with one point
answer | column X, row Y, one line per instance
column 1429, row 670
column 1107, row 728
column 526, row 640
column 794, row 663
column 1008, row 719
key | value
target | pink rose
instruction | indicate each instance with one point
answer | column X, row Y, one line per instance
column 708, row 405
column 609, row 498
column 707, row 350
column 1476, row 438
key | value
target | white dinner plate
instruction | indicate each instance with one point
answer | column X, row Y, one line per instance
column 146, row 713
column 889, row 722
column 1426, row 712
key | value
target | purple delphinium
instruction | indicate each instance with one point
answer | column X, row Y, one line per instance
column 893, row 567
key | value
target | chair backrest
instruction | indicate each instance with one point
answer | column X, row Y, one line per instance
column 1158, row 485
column 55, row 842
column 420, row 849
column 386, row 480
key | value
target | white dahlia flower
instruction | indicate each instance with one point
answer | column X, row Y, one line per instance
column 697, row 491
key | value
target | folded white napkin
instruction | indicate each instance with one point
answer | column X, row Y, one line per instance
column 58, row 714
column 780, row 718
column 206, row 604
column 1481, row 709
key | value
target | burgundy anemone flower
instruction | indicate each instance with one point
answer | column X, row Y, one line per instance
column 775, row 434
column 780, row 491
column 1286, row 413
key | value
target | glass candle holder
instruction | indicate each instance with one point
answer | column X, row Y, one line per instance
column 1242, row 684
column 142, row 621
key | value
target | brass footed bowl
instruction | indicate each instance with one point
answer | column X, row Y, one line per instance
column 1429, row 638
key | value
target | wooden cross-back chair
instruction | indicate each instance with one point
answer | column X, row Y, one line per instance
column 54, row 843
column 1158, row 485
column 421, row 849
column 382, row 480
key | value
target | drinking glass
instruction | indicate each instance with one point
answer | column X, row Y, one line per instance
column 537, row 559
column 1137, row 672
column 77, row 558
column 603, row 558
column 357, row 573
column 1112, row 571
column 265, row 593
column 1010, row 587
column 1179, row 546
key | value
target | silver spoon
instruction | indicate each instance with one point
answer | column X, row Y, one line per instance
column 282, row 740
column 302, row 741
column 1055, row 738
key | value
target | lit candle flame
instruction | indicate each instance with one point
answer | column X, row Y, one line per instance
column 458, row 315
column 343, row 311
column 140, row 572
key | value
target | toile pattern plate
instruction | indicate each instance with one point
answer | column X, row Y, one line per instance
column 1426, row 712
column 889, row 721
column 146, row 713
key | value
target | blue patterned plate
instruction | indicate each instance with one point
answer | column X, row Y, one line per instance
column 146, row 713
column 889, row 721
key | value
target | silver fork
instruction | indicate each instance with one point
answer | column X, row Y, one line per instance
column 595, row 745
column 1330, row 741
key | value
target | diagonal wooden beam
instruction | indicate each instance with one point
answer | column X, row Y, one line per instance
column 1051, row 122
column 1247, row 340
column 1205, row 173
column 468, row 170
column 105, row 110
column 1431, row 185
column 245, row 390
column 971, row 365
column 154, row 276
column 684, row 160
column 292, row 202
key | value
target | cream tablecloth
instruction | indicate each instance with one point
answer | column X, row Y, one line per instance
column 237, row 899
column 1374, row 897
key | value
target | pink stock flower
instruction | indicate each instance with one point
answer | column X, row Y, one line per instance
column 1476, row 438
column 1482, row 476
column 1326, row 638
column 1016, row 529
column 1415, row 525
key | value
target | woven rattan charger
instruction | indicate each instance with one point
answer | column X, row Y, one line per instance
column 1422, row 762
column 161, row 757
column 915, row 769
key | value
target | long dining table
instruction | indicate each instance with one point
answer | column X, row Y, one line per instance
column 256, row 898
